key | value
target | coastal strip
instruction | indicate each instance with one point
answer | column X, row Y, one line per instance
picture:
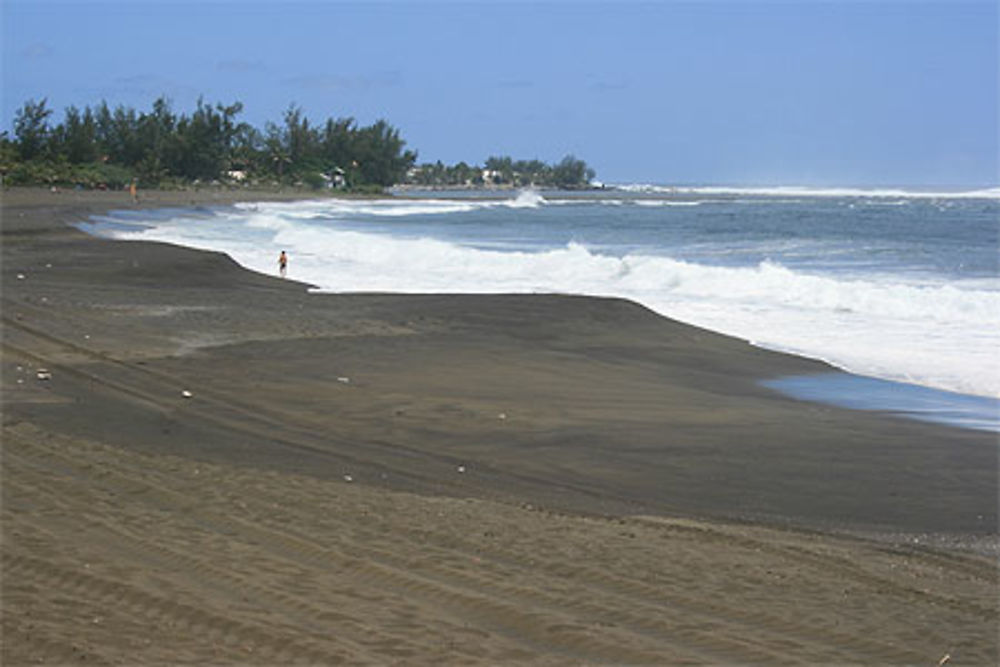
column 205, row 464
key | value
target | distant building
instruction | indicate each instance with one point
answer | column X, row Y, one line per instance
column 338, row 178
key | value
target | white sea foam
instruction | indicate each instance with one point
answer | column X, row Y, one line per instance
column 602, row 201
column 527, row 199
column 805, row 191
column 667, row 202
column 938, row 334
column 334, row 208
column 394, row 208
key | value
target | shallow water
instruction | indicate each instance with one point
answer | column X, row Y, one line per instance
column 898, row 398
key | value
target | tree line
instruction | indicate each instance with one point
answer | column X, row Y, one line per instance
column 570, row 172
column 104, row 147
column 100, row 146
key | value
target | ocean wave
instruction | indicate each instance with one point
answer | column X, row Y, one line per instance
column 668, row 202
column 339, row 209
column 334, row 209
column 805, row 191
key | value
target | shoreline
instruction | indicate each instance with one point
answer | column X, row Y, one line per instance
column 433, row 467
column 937, row 403
column 59, row 210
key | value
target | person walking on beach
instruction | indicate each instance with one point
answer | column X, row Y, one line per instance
column 282, row 263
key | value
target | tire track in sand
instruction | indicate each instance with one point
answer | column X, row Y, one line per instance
column 298, row 611
column 508, row 619
column 160, row 609
column 709, row 630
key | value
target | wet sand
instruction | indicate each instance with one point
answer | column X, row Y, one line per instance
column 446, row 479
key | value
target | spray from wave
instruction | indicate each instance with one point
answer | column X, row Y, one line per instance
column 527, row 199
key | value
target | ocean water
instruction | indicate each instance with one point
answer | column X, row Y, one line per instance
column 857, row 392
column 892, row 284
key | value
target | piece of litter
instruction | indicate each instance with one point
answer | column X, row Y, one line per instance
column 348, row 478
column 186, row 394
column 502, row 415
column 43, row 374
column 461, row 468
column 20, row 276
column 344, row 380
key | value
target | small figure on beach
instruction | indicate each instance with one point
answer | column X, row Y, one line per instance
column 133, row 190
column 282, row 263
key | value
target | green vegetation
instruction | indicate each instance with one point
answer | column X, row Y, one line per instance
column 503, row 171
column 102, row 147
column 110, row 148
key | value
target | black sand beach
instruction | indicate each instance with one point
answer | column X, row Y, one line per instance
column 499, row 479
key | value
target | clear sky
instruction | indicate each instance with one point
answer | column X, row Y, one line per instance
column 739, row 92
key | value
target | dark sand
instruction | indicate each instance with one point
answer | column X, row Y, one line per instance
column 386, row 479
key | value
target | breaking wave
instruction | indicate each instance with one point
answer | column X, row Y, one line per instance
column 803, row 191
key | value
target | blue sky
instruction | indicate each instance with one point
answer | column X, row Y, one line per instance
column 739, row 92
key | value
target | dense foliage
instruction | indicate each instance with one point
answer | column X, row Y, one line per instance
column 102, row 147
column 504, row 171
